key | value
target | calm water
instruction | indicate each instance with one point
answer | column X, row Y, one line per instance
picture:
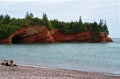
column 96, row 57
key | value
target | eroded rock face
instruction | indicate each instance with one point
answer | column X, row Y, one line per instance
column 36, row 34
column 84, row 36
column 105, row 38
column 9, row 40
column 31, row 34
column 4, row 41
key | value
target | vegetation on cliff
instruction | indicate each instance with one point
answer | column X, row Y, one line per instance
column 9, row 25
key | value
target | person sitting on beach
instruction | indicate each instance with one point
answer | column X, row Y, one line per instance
column 4, row 62
column 12, row 63
column 7, row 63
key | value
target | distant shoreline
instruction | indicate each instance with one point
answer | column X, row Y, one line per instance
column 37, row 72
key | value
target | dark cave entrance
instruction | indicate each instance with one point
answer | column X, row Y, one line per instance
column 17, row 38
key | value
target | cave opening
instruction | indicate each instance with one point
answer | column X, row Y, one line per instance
column 17, row 38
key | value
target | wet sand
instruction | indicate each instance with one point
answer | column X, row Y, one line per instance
column 27, row 72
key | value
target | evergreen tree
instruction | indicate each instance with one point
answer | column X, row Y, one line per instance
column 101, row 23
column 45, row 18
column 95, row 29
column 7, row 19
column 47, row 22
column 1, row 19
column 80, row 20
column 79, row 27
column 28, row 15
column 105, row 29
column 29, row 18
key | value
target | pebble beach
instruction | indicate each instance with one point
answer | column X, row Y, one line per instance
column 28, row 72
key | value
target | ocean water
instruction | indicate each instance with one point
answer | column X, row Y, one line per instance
column 93, row 57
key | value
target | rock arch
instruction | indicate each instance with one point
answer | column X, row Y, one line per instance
column 13, row 37
column 31, row 34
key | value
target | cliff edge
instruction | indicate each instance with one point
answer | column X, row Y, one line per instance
column 36, row 34
column 30, row 34
column 83, row 36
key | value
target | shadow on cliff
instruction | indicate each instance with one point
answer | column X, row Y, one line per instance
column 16, row 38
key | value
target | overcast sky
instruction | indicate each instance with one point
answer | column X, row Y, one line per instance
column 67, row 10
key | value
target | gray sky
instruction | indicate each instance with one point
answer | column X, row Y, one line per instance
column 67, row 10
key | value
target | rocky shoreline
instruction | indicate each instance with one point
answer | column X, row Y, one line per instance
column 36, row 34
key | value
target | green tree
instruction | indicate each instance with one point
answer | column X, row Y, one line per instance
column 6, row 31
column 1, row 19
column 19, row 22
column 47, row 22
column 37, row 21
column 28, row 15
column 101, row 25
column 105, row 29
column 80, row 20
column 79, row 25
column 45, row 18
column 29, row 18
column 7, row 19
column 95, row 29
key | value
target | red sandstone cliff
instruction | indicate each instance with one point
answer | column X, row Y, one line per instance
column 104, row 38
column 84, row 36
column 31, row 34
column 9, row 40
column 36, row 34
